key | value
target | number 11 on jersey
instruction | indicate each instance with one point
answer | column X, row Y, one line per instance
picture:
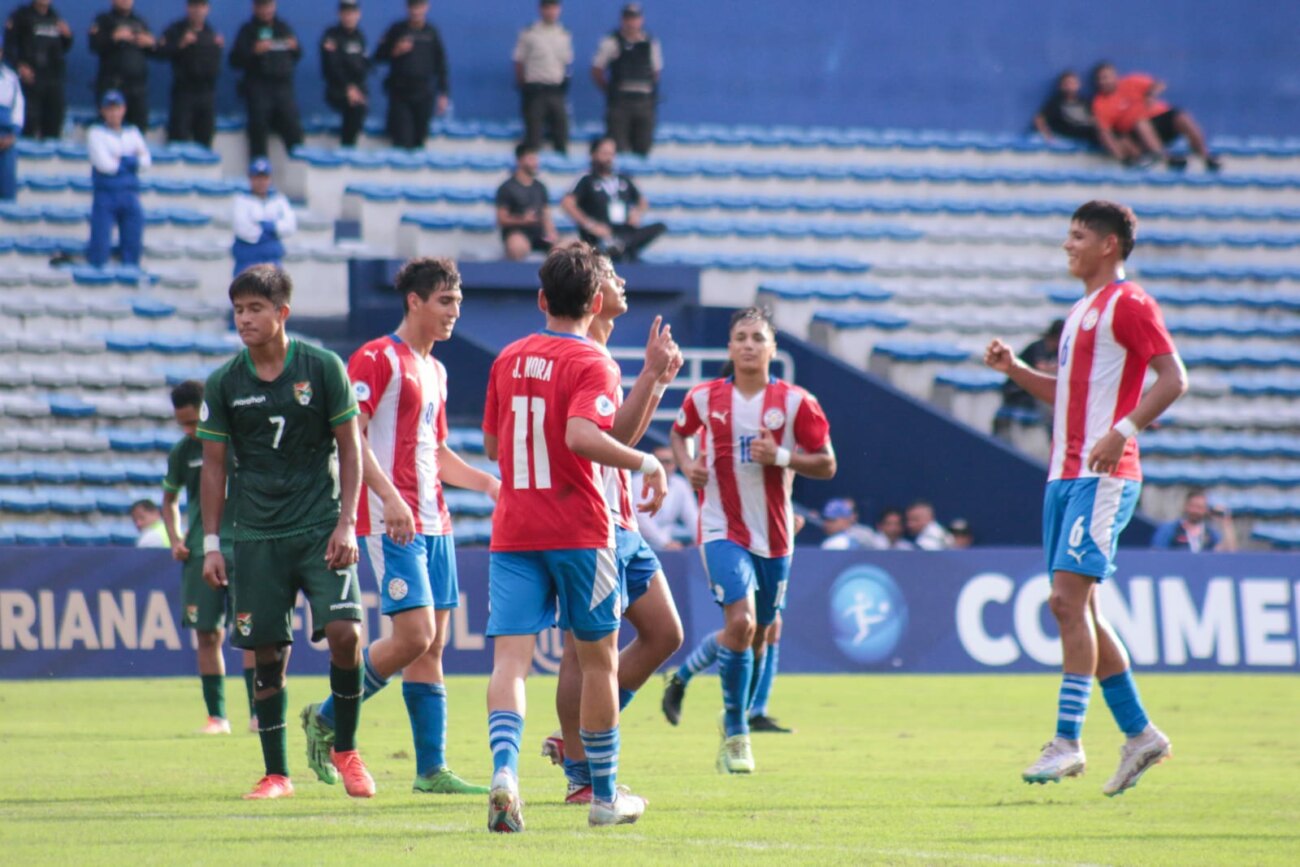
column 522, row 408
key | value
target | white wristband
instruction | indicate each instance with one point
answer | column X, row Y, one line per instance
column 782, row 456
column 650, row 465
column 660, row 388
column 1126, row 428
column 211, row 544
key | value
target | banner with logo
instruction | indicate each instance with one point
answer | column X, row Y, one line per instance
column 67, row 612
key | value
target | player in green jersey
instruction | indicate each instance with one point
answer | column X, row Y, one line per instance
column 203, row 609
column 287, row 411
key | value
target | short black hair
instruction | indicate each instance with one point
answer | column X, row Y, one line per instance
column 1110, row 218
column 1196, row 492
column 600, row 140
column 918, row 503
column 425, row 276
column 762, row 314
column 571, row 278
column 524, row 148
column 1063, row 75
column 887, row 511
column 1056, row 329
column 145, row 504
column 188, row 393
column 265, row 281
column 1098, row 67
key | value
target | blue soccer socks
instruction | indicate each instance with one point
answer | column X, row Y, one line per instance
column 766, row 675
column 700, row 659
column 602, row 759
column 1125, row 705
column 737, row 670
column 505, row 730
column 1072, row 705
column 426, row 705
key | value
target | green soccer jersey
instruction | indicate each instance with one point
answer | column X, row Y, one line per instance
column 185, row 473
column 282, row 436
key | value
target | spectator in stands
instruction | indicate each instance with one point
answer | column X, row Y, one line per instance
column 123, row 42
column 267, row 50
column 1041, row 355
column 117, row 153
column 843, row 532
column 609, row 209
column 149, row 521
column 524, row 209
column 890, row 527
column 1067, row 114
column 263, row 218
column 679, row 516
column 543, row 56
column 37, row 40
column 925, row 532
column 11, row 125
column 1130, row 106
column 962, row 535
column 626, row 69
column 1195, row 530
column 417, row 82
column 346, row 68
column 194, row 49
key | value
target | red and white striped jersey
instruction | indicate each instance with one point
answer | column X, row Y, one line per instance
column 405, row 396
column 1109, row 339
column 617, row 483
column 746, row 502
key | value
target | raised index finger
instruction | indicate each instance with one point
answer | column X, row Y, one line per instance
column 654, row 328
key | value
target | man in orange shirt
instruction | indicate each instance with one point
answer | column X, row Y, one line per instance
column 1130, row 106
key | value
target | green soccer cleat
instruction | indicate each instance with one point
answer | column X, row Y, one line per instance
column 444, row 782
column 320, row 740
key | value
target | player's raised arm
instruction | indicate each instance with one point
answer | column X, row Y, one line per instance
column 342, row 548
column 662, row 362
column 1001, row 358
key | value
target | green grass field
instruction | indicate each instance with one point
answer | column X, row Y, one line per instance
column 883, row 770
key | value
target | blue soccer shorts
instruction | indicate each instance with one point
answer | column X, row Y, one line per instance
column 526, row 587
column 735, row 573
column 1082, row 520
column 637, row 564
column 421, row 574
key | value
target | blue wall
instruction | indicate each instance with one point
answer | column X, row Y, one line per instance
column 930, row 64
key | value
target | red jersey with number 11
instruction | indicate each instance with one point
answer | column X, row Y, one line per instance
column 550, row 497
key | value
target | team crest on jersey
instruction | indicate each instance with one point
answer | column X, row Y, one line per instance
column 244, row 623
column 681, row 416
column 362, row 391
column 774, row 419
column 302, row 392
column 397, row 589
column 191, row 614
column 604, row 405
column 1090, row 319
column 203, row 411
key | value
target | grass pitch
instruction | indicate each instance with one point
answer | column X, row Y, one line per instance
column 883, row 770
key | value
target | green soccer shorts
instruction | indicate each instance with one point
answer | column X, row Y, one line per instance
column 272, row 571
column 202, row 608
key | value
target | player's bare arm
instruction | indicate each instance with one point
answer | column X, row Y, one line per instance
column 585, row 439
column 212, row 502
column 171, row 515
column 815, row 465
column 662, row 361
column 490, row 446
column 696, row 470
column 1170, row 384
column 452, row 470
column 399, row 522
column 1001, row 358
column 342, row 550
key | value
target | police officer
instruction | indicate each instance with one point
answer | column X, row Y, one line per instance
column 417, row 81
column 194, row 49
column 267, row 50
column 123, row 42
column 11, row 124
column 37, row 40
column 117, row 153
column 634, row 61
column 262, row 219
column 542, row 57
column 345, row 66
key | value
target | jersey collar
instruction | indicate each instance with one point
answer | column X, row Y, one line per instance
column 549, row 333
column 288, row 358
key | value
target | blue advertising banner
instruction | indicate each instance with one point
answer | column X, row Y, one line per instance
column 68, row 612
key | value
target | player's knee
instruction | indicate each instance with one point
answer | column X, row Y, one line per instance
column 669, row 637
column 268, row 674
column 209, row 639
column 344, row 639
column 1066, row 609
column 740, row 629
column 517, row 246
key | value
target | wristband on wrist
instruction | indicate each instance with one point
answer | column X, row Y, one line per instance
column 782, row 456
column 1126, row 428
column 660, row 388
column 650, row 465
column 211, row 544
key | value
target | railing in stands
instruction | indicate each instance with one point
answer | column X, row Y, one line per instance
column 701, row 366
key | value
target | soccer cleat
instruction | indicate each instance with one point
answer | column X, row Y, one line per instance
column 764, row 723
column 1136, row 757
column 674, row 692
column 444, row 782
column 252, row 724
column 1060, row 759
column 269, row 787
column 505, row 807
column 356, row 779
column 320, row 743
column 553, row 749
column 736, row 756
column 215, row 726
column 578, row 794
column 625, row 809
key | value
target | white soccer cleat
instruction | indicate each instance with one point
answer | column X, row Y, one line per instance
column 736, row 756
column 505, row 807
column 1136, row 757
column 625, row 810
column 1060, row 759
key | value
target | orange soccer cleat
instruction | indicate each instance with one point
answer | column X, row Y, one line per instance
column 356, row 779
column 215, row 726
column 271, row 786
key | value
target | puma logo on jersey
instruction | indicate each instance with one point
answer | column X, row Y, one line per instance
column 413, row 378
column 1076, row 554
column 372, row 354
column 720, row 416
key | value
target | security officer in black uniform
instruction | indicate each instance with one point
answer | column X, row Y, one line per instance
column 267, row 50
column 123, row 42
column 194, row 49
column 36, row 42
column 634, row 61
column 417, row 81
column 345, row 66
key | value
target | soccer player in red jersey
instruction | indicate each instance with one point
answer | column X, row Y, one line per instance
column 1111, row 337
column 551, row 403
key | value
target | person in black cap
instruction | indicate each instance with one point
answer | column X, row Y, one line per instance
column 608, row 208
column 267, row 50
column 543, row 56
column 626, row 68
column 345, row 66
column 36, row 42
column 417, row 82
column 123, row 42
column 194, row 49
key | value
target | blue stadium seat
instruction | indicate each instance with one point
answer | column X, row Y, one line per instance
column 114, row 501
column 37, row 534
column 86, row 535
column 70, row 501
column 23, row 501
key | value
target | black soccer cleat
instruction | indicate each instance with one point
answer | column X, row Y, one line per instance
column 764, row 723
column 674, row 692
